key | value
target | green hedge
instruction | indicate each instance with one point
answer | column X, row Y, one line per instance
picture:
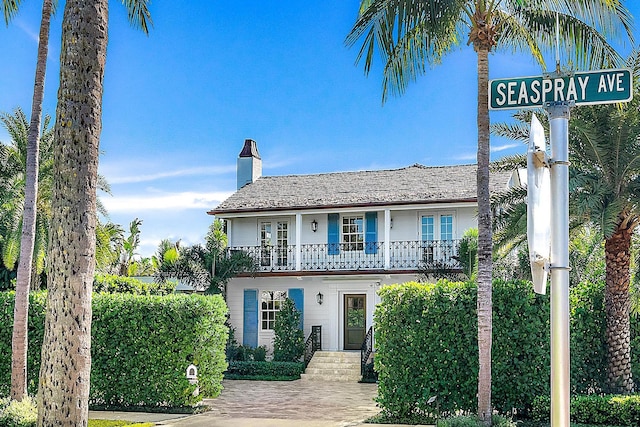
column 37, row 302
column 426, row 345
column 595, row 410
column 110, row 283
column 252, row 370
column 141, row 347
column 426, row 342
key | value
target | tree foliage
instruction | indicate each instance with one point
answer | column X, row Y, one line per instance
column 288, row 342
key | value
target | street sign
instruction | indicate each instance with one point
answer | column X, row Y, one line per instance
column 583, row 88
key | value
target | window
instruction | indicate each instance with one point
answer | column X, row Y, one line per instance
column 436, row 233
column 265, row 243
column 271, row 302
column 281, row 243
column 352, row 233
column 427, row 233
column 268, row 241
column 446, row 227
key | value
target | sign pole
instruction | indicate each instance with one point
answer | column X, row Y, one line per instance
column 560, row 362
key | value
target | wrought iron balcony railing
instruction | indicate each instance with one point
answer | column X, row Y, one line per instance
column 403, row 255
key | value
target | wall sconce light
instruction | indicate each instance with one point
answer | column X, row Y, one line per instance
column 319, row 298
column 390, row 222
column 314, row 225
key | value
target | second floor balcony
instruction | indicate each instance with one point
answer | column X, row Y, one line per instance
column 359, row 256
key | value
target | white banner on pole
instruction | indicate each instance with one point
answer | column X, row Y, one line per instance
column 538, row 206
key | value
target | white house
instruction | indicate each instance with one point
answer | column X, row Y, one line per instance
column 330, row 241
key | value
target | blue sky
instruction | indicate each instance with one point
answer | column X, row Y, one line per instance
column 179, row 103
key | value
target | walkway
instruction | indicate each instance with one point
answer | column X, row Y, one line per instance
column 286, row 403
column 273, row 404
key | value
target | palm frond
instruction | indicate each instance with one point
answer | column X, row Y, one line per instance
column 515, row 131
column 9, row 9
column 139, row 14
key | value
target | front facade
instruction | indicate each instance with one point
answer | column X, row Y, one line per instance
column 330, row 241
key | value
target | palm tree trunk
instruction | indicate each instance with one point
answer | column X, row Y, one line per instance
column 66, row 350
column 19, row 342
column 484, row 242
column 617, row 304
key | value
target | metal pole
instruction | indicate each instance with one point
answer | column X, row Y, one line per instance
column 560, row 382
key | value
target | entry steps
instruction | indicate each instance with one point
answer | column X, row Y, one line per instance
column 338, row 366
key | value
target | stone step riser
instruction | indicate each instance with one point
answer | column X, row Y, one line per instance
column 321, row 362
column 332, row 371
column 336, row 378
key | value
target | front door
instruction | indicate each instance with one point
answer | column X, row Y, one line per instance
column 355, row 324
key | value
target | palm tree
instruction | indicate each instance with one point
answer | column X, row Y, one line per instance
column 109, row 237
column 604, row 197
column 207, row 268
column 128, row 247
column 13, row 171
column 63, row 391
column 28, row 235
column 409, row 34
column 605, row 191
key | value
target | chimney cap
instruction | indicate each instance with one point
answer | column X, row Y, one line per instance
column 250, row 149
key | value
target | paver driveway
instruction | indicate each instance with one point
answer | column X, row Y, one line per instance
column 286, row 403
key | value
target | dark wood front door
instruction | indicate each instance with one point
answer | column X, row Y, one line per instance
column 355, row 323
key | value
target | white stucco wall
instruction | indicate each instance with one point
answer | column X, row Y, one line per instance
column 329, row 315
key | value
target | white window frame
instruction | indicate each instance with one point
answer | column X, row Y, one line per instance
column 356, row 245
column 270, row 303
column 431, row 251
column 272, row 250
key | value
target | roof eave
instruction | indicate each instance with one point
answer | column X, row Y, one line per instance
column 344, row 205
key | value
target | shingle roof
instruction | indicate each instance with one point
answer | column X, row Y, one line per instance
column 410, row 185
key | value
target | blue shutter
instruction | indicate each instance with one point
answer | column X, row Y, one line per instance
column 371, row 233
column 333, row 234
column 297, row 296
column 250, row 325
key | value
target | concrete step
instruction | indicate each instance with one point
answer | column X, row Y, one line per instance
column 331, row 378
column 332, row 371
column 329, row 366
column 333, row 366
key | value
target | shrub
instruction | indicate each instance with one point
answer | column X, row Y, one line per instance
column 128, row 285
column 426, row 345
column 426, row 339
column 37, row 303
column 18, row 414
column 427, row 334
column 288, row 343
column 474, row 421
column 260, row 353
column 141, row 347
column 265, row 370
column 596, row 410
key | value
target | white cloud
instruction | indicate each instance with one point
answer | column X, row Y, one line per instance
column 27, row 29
column 201, row 170
column 169, row 201
column 466, row 157
column 496, row 149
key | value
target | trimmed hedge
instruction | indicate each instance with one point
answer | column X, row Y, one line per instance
column 37, row 302
column 112, row 284
column 595, row 410
column 426, row 345
column 252, row 370
column 141, row 347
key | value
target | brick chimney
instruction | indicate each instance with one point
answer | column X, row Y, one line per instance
column 249, row 164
